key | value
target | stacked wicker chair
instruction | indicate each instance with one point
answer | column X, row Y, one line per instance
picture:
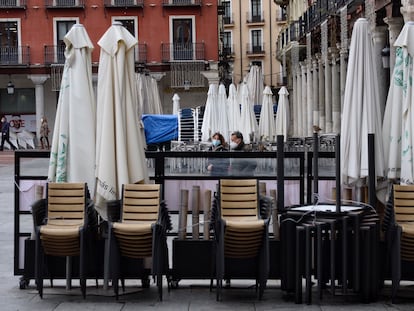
column 401, row 235
column 140, row 233
column 241, row 234
column 65, row 228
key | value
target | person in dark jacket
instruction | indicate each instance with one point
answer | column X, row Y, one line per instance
column 245, row 167
column 218, row 166
column 5, row 134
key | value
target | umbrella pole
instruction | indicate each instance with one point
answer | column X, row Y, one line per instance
column 280, row 174
column 315, row 168
column 338, row 172
column 371, row 170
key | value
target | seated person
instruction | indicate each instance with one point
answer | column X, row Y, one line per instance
column 218, row 166
column 245, row 167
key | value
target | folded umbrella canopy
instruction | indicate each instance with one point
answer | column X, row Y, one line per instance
column 282, row 114
column 361, row 113
column 399, row 113
column 120, row 156
column 72, row 154
column 267, row 118
column 210, row 116
column 233, row 109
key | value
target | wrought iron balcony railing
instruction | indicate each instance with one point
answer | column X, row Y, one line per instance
column 228, row 19
column 59, row 4
column 124, row 3
column 182, row 51
column 13, row 4
column 255, row 18
column 255, row 48
column 181, row 2
column 14, row 55
column 55, row 54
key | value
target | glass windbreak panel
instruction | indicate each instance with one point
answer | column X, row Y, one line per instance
column 291, row 167
column 151, row 167
column 326, row 167
column 34, row 166
column 218, row 166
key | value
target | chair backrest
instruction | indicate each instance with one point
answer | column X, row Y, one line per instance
column 404, row 203
column 239, row 199
column 66, row 202
column 140, row 203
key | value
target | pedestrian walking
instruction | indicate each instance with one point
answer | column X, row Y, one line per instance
column 5, row 134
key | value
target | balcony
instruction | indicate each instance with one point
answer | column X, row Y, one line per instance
column 55, row 54
column 124, row 3
column 257, row 18
column 13, row 4
column 62, row 4
column 171, row 52
column 181, row 3
column 255, row 49
column 228, row 20
column 228, row 50
column 14, row 56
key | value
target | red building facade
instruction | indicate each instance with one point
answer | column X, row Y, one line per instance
column 178, row 45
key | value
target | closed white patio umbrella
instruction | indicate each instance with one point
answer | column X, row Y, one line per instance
column 210, row 117
column 72, row 154
column 255, row 83
column 233, row 109
column 222, row 118
column 282, row 114
column 120, row 156
column 267, row 118
column 399, row 113
column 248, row 124
column 361, row 113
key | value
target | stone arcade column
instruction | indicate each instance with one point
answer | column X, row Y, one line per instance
column 336, row 94
column 309, row 86
column 304, row 101
column 395, row 25
column 315, row 92
column 292, row 121
column 298, row 105
column 296, row 88
column 328, row 96
column 38, row 81
column 379, row 38
column 343, row 53
column 321, row 79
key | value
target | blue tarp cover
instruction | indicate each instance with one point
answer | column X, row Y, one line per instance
column 160, row 128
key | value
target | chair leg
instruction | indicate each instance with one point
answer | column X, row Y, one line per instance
column 159, row 285
column 39, row 266
column 298, row 261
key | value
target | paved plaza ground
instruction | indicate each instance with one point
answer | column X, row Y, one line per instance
column 190, row 294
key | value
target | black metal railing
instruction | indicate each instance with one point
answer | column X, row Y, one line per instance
column 254, row 18
column 54, row 54
column 56, row 4
column 123, row 3
column 141, row 53
column 228, row 19
column 14, row 55
column 13, row 4
column 181, row 2
column 255, row 48
column 182, row 51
